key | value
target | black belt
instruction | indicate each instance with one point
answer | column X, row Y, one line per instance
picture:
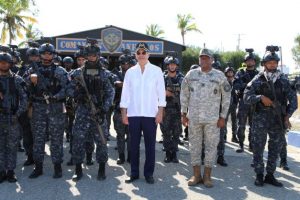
column 50, row 101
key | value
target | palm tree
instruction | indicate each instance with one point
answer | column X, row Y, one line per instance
column 185, row 25
column 31, row 34
column 13, row 20
column 154, row 30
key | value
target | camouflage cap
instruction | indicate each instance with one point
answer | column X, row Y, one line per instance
column 205, row 52
column 141, row 45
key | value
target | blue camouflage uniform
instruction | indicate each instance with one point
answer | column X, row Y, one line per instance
column 13, row 102
column 102, row 94
column 241, row 79
column 266, row 120
column 48, row 114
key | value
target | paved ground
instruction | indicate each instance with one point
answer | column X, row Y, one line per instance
column 232, row 182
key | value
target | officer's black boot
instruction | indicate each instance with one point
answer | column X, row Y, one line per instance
column 11, row 177
column 259, row 181
column 174, row 157
column 2, row 176
column 101, row 172
column 168, row 157
column 38, row 170
column 70, row 162
column 89, row 159
column 241, row 149
column 78, row 173
column 284, row 165
column 29, row 160
column 57, row 170
column 121, row 159
column 221, row 161
column 269, row 178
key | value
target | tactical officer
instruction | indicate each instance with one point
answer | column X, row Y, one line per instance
column 123, row 137
column 229, row 73
column 171, row 126
column 68, row 64
column 242, row 78
column 201, row 89
column 13, row 102
column 47, row 86
column 275, row 102
column 16, row 58
column 91, row 88
column 32, row 54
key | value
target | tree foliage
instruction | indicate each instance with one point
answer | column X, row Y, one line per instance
column 154, row 30
column 13, row 18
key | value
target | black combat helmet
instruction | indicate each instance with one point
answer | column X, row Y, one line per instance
column 68, row 59
column 249, row 55
column 170, row 59
column 32, row 51
column 227, row 69
column 92, row 47
column 124, row 59
column 216, row 65
column 6, row 57
column 47, row 47
column 270, row 54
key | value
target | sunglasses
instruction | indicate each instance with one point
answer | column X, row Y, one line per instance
column 139, row 53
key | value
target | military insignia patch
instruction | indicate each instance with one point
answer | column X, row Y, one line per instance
column 111, row 39
column 227, row 87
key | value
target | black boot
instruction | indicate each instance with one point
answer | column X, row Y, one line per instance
column 78, row 173
column 259, row 181
column 174, row 157
column 57, row 170
column 284, row 165
column 29, row 160
column 241, row 149
column 269, row 178
column 38, row 170
column 2, row 176
column 121, row 159
column 89, row 159
column 168, row 157
column 11, row 177
column 70, row 162
column 101, row 172
column 128, row 157
column 234, row 139
column 221, row 161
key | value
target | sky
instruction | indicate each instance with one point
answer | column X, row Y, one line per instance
column 258, row 22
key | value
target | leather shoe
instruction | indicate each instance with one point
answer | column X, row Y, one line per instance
column 131, row 179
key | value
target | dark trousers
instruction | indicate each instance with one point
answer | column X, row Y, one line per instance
column 147, row 125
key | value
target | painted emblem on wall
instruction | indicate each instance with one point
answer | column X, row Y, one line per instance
column 111, row 39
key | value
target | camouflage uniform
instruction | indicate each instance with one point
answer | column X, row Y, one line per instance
column 266, row 120
column 52, row 81
column 102, row 93
column 13, row 102
column 200, row 91
column 171, row 127
column 242, row 78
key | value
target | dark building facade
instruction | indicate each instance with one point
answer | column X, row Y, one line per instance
column 112, row 40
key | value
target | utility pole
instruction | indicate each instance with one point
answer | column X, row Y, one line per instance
column 239, row 42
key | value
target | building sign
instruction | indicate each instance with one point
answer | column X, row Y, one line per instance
column 70, row 45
